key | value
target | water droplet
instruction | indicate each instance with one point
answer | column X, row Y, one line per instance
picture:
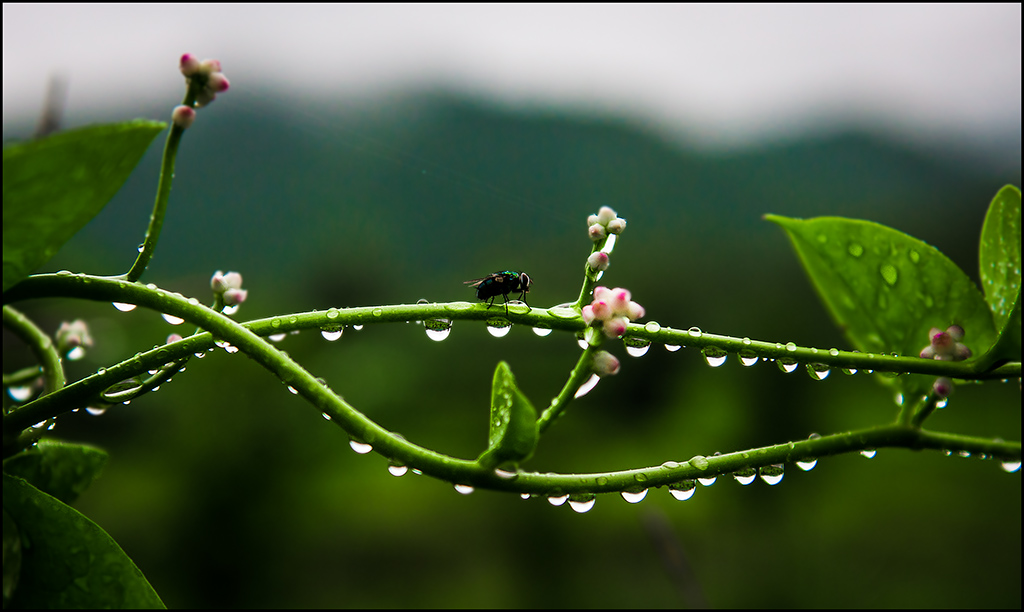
column 637, row 347
column 293, row 390
column 634, row 497
column 914, row 256
column 964, row 453
column 542, row 331
column 791, row 346
column 672, row 347
column 325, row 415
column 277, row 337
column 398, row 470
column 230, row 310
column 331, row 334
column 869, row 453
column 123, row 307
column 173, row 320
column 747, row 358
column 360, row 447
column 807, row 464
column 707, row 482
column 464, row 489
column 563, row 312
column 855, row 249
column 1010, row 466
column 586, row 387
column 700, row 462
column 942, row 403
column 506, row 475
column 818, row 371
column 524, row 496
column 357, row 327
column 787, row 365
column 76, row 353
column 377, row 312
column 714, row 356
column 670, row 465
column 96, row 411
column 695, row 332
column 498, row 327
column 19, row 393
column 683, row 490
column 333, row 313
column 652, row 326
column 889, row 274
column 558, row 500
column 584, row 504
column 745, row 476
column 772, row 474
column 438, row 329
column 834, row 352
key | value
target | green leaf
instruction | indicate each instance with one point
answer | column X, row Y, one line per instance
column 55, row 185
column 67, row 561
column 999, row 258
column 60, row 469
column 513, row 430
column 886, row 289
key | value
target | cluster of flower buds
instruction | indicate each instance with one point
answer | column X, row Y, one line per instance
column 614, row 309
column 605, row 222
column 73, row 335
column 211, row 81
column 946, row 345
column 228, row 287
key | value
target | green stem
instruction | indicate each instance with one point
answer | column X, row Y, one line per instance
column 42, row 347
column 580, row 373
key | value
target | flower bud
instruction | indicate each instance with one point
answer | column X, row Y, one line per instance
column 188, row 65
column 598, row 261
column 234, row 297
column 597, row 232
column 615, row 226
column 72, row 335
column 601, row 310
column 217, row 83
column 173, row 338
column 222, row 282
column 942, row 387
column 183, row 116
column 615, row 327
column 605, row 215
column 605, row 364
column 588, row 314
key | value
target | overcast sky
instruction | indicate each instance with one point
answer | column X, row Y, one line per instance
column 720, row 73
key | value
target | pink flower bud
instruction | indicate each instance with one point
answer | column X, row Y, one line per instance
column 183, row 116
column 72, row 335
column 602, row 293
column 601, row 310
column 605, row 364
column 598, row 261
column 615, row 327
column 955, row 332
column 222, row 282
column 210, row 66
column 173, row 338
column 942, row 387
column 188, row 65
column 217, row 83
column 233, row 297
column 588, row 314
column 634, row 311
column 597, row 232
column 620, row 301
column 928, row 352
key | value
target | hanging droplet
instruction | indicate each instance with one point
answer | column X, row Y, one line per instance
column 583, row 504
column 807, row 464
column 714, row 356
column 707, row 482
column 397, row 470
column 19, row 393
column 96, row 411
column 869, row 453
column 557, row 500
column 586, row 387
column 332, row 334
column 634, row 497
column 360, row 447
column 683, row 490
column 464, row 489
column 123, row 307
column 173, row 320
column 818, row 371
column 637, row 347
column 787, row 365
column 542, row 331
column 498, row 327
column 672, row 347
column 747, row 358
column 745, row 476
column 772, row 474
column 438, row 329
column 1010, row 466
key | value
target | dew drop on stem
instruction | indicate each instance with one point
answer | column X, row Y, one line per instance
column 438, row 329
column 586, row 387
column 683, row 490
column 745, row 476
column 332, row 334
column 634, row 497
column 714, row 356
column 807, row 464
column 464, row 489
column 558, row 500
column 583, row 505
column 636, row 347
column 772, row 474
column 360, row 447
column 397, row 470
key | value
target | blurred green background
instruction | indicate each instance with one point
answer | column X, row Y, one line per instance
column 228, row 491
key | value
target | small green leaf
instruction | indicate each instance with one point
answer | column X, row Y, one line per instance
column 60, row 469
column 67, row 561
column 55, row 185
column 999, row 259
column 886, row 289
column 513, row 430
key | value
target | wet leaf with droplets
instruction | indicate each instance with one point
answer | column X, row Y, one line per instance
column 61, row 469
column 889, row 296
column 999, row 260
column 513, row 432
